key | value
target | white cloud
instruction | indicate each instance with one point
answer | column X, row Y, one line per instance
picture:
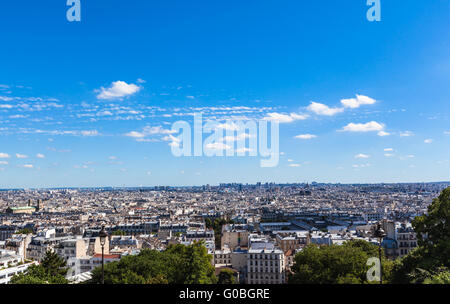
column 39, row 155
column 4, row 155
column 447, row 132
column 117, row 90
column 135, row 134
column 361, row 155
column 383, row 133
column 360, row 127
column 112, row 157
column 173, row 141
column 285, row 118
column 90, row 133
column 28, row 166
column 388, row 154
column 299, row 116
column 294, row 165
column 104, row 113
column 428, row 141
column 406, row 134
column 3, row 162
column 156, row 130
column 354, row 103
column 388, row 150
column 361, row 166
column 149, row 131
column 18, row 116
column 140, row 80
column 5, row 98
column 321, row 109
column 21, row 155
column 305, row 136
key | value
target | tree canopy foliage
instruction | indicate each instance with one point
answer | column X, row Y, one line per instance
column 336, row 264
column 52, row 270
column 178, row 264
column 226, row 276
column 118, row 232
column 433, row 253
column 25, row 231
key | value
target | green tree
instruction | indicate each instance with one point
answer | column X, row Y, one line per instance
column 178, row 264
column 440, row 278
column 433, row 229
column 25, row 231
column 52, row 270
column 336, row 264
column 433, row 252
column 226, row 276
column 54, row 265
column 118, row 232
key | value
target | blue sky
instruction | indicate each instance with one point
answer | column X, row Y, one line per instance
column 91, row 103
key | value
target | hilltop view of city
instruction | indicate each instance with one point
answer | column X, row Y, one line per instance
column 275, row 220
column 213, row 151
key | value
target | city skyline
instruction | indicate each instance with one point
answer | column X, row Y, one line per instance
column 91, row 103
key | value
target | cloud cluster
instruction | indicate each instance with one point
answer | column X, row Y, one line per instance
column 149, row 131
column 371, row 126
column 117, row 90
column 285, row 118
column 354, row 103
column 305, row 136
column 362, row 156
column 4, row 155
column 351, row 103
column 321, row 109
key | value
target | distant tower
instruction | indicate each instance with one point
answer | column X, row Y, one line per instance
column 29, row 202
column 38, row 207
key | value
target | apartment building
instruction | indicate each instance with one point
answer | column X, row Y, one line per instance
column 406, row 239
column 11, row 264
column 222, row 258
column 39, row 246
column 265, row 264
column 71, row 248
column 400, row 239
column 18, row 244
column 291, row 240
column 88, row 263
column 200, row 235
column 234, row 236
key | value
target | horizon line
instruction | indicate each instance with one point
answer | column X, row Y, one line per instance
column 218, row 185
